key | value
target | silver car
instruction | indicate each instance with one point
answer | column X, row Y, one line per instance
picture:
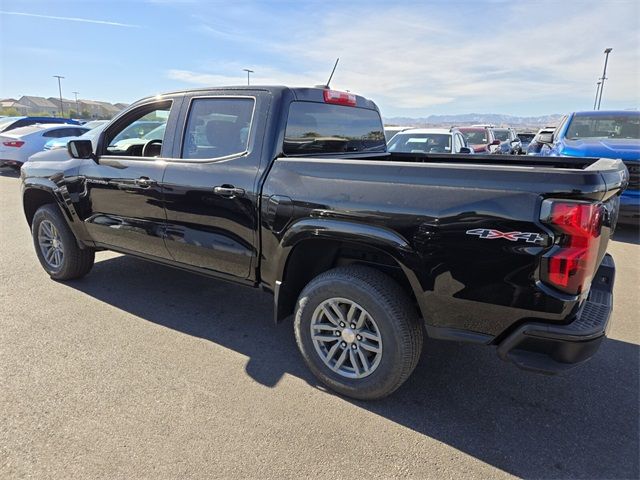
column 17, row 145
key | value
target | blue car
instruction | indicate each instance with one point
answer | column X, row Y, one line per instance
column 11, row 123
column 605, row 134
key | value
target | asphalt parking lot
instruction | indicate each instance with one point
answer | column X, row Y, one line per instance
column 141, row 371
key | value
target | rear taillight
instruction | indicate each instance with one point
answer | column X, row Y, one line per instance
column 340, row 98
column 571, row 263
column 13, row 143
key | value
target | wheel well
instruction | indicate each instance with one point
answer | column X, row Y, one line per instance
column 33, row 199
column 312, row 257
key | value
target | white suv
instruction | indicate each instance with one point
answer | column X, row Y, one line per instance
column 429, row 140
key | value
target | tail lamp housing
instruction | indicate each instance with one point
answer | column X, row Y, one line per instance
column 571, row 263
column 13, row 143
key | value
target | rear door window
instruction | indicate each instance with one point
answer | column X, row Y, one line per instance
column 217, row 127
column 319, row 128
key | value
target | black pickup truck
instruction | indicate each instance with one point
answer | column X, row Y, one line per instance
column 292, row 190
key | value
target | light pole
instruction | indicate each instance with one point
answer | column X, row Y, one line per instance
column 77, row 109
column 595, row 101
column 248, row 73
column 607, row 51
column 60, row 92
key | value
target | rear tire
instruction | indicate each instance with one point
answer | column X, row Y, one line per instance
column 56, row 246
column 388, row 341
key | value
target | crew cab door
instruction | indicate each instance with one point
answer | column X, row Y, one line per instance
column 210, row 187
column 122, row 204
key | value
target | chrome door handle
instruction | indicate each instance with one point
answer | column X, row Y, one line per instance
column 228, row 191
column 146, row 182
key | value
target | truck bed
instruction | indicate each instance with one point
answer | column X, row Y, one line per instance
column 429, row 203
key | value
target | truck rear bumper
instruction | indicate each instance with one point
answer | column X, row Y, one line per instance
column 550, row 349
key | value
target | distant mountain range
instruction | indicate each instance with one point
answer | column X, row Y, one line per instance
column 476, row 118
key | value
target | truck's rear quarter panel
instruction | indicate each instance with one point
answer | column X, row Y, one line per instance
column 460, row 280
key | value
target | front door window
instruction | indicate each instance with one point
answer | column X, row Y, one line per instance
column 142, row 134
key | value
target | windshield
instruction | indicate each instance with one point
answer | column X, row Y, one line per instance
column 320, row 128
column 620, row 125
column 94, row 132
column 137, row 130
column 476, row 137
column 502, row 135
column 156, row 133
column 421, row 143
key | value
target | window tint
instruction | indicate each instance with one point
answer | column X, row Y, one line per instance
column 217, row 127
column 320, row 128
column 61, row 132
column 129, row 139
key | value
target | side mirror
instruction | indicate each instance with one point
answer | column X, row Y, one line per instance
column 495, row 142
column 465, row 150
column 516, row 140
column 80, row 149
column 545, row 138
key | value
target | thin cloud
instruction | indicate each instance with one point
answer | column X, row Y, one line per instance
column 71, row 19
column 263, row 75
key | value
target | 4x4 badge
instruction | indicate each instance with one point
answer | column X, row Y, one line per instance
column 491, row 234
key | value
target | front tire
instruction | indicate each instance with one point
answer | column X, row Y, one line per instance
column 358, row 332
column 56, row 246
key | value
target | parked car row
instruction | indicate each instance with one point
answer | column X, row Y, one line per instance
column 598, row 134
column 24, row 137
column 475, row 139
column 429, row 140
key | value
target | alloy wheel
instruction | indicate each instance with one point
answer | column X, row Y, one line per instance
column 50, row 244
column 346, row 337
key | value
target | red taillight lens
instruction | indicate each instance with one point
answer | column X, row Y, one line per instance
column 339, row 98
column 571, row 264
column 13, row 143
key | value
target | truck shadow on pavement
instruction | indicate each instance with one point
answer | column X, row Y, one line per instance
column 583, row 424
column 627, row 234
column 9, row 172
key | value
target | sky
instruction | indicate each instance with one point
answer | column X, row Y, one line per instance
column 413, row 58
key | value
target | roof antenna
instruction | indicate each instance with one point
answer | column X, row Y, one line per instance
column 330, row 76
